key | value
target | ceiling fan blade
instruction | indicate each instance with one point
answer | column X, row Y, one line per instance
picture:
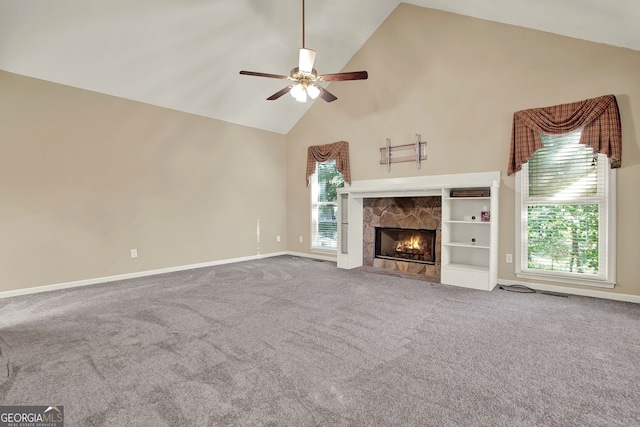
column 271, row 76
column 306, row 59
column 279, row 93
column 352, row 75
column 326, row 95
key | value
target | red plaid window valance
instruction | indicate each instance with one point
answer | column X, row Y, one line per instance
column 322, row 153
column 599, row 119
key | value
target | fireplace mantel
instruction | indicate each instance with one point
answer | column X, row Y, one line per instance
column 350, row 206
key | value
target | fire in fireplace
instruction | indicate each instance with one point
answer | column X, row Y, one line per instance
column 406, row 245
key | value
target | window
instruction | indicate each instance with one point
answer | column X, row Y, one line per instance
column 566, row 208
column 324, row 206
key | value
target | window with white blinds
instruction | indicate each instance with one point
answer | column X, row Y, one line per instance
column 564, row 209
column 324, row 206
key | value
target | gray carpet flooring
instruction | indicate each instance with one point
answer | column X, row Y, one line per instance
column 288, row 341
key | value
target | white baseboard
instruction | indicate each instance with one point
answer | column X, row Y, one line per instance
column 573, row 291
column 98, row 280
column 538, row 286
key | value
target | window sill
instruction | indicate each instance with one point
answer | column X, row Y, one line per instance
column 325, row 251
column 568, row 280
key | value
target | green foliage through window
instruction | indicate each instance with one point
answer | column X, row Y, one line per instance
column 563, row 238
column 325, row 205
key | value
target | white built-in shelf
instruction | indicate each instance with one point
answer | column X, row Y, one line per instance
column 472, row 265
column 469, row 267
column 466, row 198
column 466, row 245
column 458, row 221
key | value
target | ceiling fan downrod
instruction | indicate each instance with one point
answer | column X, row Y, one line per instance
column 303, row 24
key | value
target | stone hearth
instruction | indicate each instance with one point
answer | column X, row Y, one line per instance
column 413, row 213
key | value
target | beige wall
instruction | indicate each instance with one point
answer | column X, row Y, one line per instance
column 86, row 177
column 457, row 81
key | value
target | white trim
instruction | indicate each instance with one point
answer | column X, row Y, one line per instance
column 566, row 278
column 612, row 230
column 324, row 251
column 314, row 221
column 99, row 280
column 608, row 227
column 312, row 256
column 573, row 291
column 106, row 279
column 417, row 186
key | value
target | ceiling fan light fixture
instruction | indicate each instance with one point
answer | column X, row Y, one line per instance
column 313, row 91
column 299, row 93
column 304, row 77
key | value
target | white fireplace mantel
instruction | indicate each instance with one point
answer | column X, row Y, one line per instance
column 350, row 206
column 418, row 186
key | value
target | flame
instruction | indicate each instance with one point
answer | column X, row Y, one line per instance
column 412, row 243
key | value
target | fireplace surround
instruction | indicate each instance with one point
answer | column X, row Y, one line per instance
column 459, row 262
column 402, row 233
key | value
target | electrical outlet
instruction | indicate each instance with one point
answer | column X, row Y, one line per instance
column 134, row 253
column 277, row 238
column 300, row 239
column 509, row 258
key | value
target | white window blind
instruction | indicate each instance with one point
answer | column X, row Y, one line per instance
column 564, row 170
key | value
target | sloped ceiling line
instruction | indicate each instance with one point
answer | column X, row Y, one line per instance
column 186, row 55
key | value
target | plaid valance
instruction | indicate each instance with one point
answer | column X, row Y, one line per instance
column 322, row 153
column 599, row 119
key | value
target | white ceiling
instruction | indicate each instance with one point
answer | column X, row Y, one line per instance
column 186, row 54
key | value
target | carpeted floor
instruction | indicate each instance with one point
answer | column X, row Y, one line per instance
column 288, row 341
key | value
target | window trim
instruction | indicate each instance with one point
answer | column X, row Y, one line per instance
column 313, row 185
column 607, row 226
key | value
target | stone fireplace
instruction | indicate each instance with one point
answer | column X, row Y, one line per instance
column 403, row 234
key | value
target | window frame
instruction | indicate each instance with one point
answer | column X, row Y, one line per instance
column 607, row 232
column 313, row 225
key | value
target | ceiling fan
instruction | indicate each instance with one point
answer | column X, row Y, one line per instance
column 304, row 78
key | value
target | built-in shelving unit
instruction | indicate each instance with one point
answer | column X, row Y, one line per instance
column 469, row 243
column 463, row 262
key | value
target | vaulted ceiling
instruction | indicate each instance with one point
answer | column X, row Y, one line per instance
column 186, row 55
